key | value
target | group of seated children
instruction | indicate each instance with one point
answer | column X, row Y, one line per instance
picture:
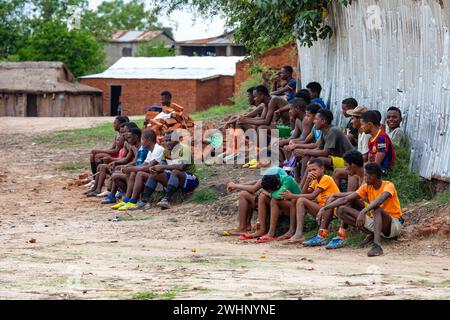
column 136, row 164
column 358, row 155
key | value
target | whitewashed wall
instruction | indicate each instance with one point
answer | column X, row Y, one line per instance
column 391, row 53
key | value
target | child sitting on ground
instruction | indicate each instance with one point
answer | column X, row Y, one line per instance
column 118, row 177
column 154, row 157
column 310, row 142
column 176, row 175
column 362, row 141
column 113, row 153
column 302, row 127
column 381, row 149
column 381, row 217
column 126, row 156
column 273, row 186
column 321, row 186
column 393, row 121
column 354, row 166
column 249, row 194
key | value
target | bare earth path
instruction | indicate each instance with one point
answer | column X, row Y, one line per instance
column 81, row 254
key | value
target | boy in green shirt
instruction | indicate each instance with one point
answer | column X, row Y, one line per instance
column 273, row 186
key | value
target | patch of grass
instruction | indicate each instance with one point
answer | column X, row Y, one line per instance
column 410, row 186
column 152, row 295
column 203, row 173
column 73, row 166
column 80, row 137
column 217, row 112
column 205, row 196
column 443, row 198
column 240, row 102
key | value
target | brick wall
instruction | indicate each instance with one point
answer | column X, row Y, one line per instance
column 138, row 94
column 273, row 58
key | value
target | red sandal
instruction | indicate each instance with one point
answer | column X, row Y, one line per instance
column 265, row 239
column 247, row 237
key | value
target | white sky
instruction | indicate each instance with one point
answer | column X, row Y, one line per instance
column 183, row 25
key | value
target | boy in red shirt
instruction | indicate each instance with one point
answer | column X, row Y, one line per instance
column 381, row 149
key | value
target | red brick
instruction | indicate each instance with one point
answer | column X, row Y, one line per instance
column 274, row 58
column 193, row 95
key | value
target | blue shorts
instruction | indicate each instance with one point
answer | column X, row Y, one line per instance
column 190, row 182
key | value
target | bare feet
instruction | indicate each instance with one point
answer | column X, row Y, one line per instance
column 286, row 236
column 295, row 240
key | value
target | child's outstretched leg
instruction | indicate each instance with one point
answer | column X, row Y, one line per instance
column 303, row 206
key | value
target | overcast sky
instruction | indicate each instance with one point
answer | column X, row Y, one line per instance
column 183, row 26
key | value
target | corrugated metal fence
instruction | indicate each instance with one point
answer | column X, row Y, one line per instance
column 392, row 53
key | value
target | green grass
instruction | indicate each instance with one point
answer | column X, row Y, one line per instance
column 152, row 295
column 205, row 196
column 443, row 199
column 73, row 166
column 410, row 186
column 217, row 112
column 204, row 173
column 80, row 138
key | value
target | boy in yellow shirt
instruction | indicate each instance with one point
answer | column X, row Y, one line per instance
column 314, row 197
column 381, row 217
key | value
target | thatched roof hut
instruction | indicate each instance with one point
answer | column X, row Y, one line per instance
column 45, row 89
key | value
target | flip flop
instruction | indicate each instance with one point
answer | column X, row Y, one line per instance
column 224, row 233
column 265, row 239
column 247, row 237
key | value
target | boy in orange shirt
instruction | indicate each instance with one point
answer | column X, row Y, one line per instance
column 321, row 186
column 381, row 217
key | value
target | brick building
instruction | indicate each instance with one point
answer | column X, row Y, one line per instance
column 196, row 83
column 272, row 59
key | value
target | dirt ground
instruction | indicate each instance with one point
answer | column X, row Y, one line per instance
column 80, row 253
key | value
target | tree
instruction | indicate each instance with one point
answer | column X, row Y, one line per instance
column 52, row 41
column 155, row 49
column 120, row 15
column 261, row 24
column 12, row 30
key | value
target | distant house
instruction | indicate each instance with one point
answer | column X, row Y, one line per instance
column 222, row 45
column 125, row 43
column 195, row 82
column 45, row 89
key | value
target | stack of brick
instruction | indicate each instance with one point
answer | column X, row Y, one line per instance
column 178, row 120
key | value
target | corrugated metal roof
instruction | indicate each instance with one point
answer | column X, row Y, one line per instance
column 224, row 39
column 179, row 67
column 135, row 36
column 392, row 53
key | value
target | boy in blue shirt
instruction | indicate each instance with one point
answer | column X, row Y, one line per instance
column 290, row 88
column 315, row 89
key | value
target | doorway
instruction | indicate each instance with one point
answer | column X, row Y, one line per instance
column 32, row 105
column 116, row 97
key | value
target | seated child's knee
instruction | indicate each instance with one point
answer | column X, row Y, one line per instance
column 340, row 212
column 244, row 194
column 300, row 201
